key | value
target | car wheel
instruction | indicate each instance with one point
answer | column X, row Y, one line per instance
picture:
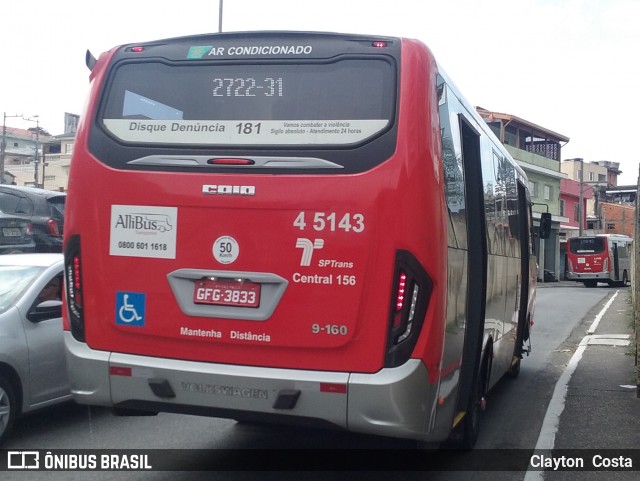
column 8, row 409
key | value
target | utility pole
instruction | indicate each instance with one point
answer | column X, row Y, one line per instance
column 220, row 16
column 4, row 144
column 581, row 206
column 36, row 119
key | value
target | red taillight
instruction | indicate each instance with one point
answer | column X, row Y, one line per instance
column 402, row 288
column 77, row 281
column 137, row 49
column 74, row 287
column 411, row 291
column 230, row 161
column 379, row 44
column 54, row 230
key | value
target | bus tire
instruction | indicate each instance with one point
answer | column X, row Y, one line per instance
column 625, row 279
column 465, row 435
column 590, row 283
column 514, row 370
column 8, row 408
column 471, row 422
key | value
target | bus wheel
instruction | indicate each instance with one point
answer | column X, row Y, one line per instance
column 514, row 370
column 590, row 283
column 467, row 434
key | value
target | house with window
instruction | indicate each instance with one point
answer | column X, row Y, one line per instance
column 56, row 155
column 22, row 153
column 32, row 157
column 610, row 208
column 570, row 205
column 538, row 151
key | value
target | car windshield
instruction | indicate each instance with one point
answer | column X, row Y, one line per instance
column 14, row 281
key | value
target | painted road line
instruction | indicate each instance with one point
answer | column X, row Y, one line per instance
column 596, row 321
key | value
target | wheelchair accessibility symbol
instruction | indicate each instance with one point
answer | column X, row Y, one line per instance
column 130, row 308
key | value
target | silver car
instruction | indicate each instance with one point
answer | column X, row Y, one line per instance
column 32, row 363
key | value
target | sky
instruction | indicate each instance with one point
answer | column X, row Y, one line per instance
column 570, row 66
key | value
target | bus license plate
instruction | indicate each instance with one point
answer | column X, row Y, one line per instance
column 227, row 293
column 11, row 232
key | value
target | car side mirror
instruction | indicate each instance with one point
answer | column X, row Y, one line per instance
column 45, row 310
column 545, row 225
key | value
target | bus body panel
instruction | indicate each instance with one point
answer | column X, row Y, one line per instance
column 242, row 292
column 263, row 227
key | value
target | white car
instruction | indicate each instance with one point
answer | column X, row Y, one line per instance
column 33, row 370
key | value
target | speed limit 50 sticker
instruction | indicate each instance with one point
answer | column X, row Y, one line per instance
column 226, row 249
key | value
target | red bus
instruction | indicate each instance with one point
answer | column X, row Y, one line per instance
column 293, row 227
column 599, row 258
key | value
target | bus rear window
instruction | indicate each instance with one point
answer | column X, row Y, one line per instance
column 308, row 104
column 587, row 245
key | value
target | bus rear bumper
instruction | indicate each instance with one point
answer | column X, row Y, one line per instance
column 397, row 402
column 589, row 276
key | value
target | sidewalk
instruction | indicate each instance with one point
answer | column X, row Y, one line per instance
column 602, row 411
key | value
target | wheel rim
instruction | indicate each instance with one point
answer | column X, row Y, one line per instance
column 5, row 410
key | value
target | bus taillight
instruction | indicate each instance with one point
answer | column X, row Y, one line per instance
column 411, row 291
column 73, row 283
column 230, row 161
column 402, row 289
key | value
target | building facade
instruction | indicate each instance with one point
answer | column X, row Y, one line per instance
column 37, row 159
column 610, row 209
column 538, row 151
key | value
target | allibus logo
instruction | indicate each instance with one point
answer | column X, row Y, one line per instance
column 143, row 221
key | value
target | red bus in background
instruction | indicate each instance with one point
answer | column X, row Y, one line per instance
column 599, row 258
column 294, row 227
